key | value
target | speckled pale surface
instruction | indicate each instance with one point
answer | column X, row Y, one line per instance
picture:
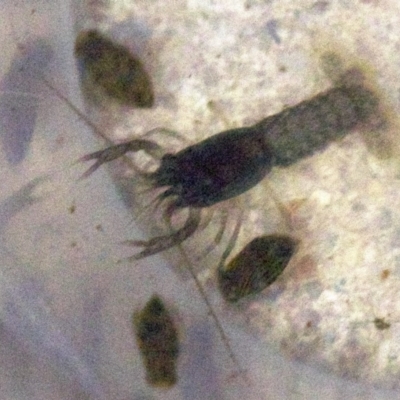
column 67, row 304
column 250, row 60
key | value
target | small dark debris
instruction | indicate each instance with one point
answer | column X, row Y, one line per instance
column 358, row 207
column 380, row 324
column 384, row 274
column 272, row 29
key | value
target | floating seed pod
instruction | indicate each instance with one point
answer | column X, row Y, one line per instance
column 257, row 266
column 157, row 339
column 114, row 69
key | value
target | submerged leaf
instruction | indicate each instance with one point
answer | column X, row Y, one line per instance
column 114, row 69
column 257, row 266
column 158, row 342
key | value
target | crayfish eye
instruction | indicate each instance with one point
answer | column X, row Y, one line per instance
column 165, row 174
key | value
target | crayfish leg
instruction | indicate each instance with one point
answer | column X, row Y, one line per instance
column 165, row 242
column 233, row 239
column 218, row 236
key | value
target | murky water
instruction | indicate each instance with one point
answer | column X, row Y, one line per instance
column 64, row 291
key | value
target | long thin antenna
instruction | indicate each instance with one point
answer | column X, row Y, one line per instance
column 184, row 254
column 203, row 293
column 86, row 120
column 77, row 111
column 213, row 315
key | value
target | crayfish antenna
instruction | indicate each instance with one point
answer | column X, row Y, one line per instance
column 116, row 151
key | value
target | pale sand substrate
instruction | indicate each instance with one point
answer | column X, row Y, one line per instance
column 249, row 59
column 250, row 62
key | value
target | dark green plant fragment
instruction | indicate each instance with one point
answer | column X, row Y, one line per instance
column 112, row 67
column 257, row 266
column 381, row 324
column 157, row 339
